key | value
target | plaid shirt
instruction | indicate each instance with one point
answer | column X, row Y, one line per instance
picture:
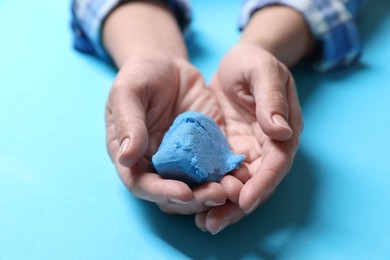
column 331, row 22
column 88, row 17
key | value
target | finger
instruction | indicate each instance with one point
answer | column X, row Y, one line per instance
column 111, row 141
column 210, row 194
column 128, row 118
column 219, row 218
column 232, row 187
column 242, row 173
column 181, row 209
column 272, row 106
column 205, row 196
column 200, row 220
column 152, row 187
column 295, row 118
column 267, row 177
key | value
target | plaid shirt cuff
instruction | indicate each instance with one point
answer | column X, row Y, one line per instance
column 88, row 17
column 331, row 23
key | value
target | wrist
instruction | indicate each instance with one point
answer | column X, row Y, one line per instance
column 153, row 56
column 280, row 30
column 142, row 27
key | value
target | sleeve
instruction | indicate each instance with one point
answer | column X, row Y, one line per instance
column 88, row 17
column 331, row 22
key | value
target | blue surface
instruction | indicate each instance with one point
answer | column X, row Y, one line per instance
column 195, row 151
column 60, row 197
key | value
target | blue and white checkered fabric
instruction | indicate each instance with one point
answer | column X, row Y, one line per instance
column 88, row 17
column 332, row 25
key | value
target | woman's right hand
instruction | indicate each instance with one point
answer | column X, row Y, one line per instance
column 150, row 90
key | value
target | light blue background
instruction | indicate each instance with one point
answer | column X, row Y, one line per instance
column 60, row 197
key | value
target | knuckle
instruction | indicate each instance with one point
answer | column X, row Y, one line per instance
column 121, row 122
column 277, row 95
column 277, row 100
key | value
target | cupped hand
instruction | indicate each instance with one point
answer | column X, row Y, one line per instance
column 150, row 90
column 262, row 117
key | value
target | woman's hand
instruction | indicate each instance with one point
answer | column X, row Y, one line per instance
column 263, row 120
column 150, row 90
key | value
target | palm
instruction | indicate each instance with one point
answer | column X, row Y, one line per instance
column 242, row 130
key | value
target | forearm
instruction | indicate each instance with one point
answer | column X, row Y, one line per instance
column 142, row 26
column 282, row 31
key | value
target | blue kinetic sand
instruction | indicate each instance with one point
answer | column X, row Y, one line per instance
column 195, row 151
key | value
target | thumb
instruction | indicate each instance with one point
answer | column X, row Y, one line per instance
column 128, row 115
column 272, row 106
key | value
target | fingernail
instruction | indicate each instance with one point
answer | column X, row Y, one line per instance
column 177, row 201
column 124, row 145
column 223, row 225
column 254, row 205
column 210, row 203
column 280, row 121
